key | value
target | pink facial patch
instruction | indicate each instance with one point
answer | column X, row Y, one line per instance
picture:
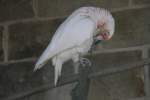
column 105, row 36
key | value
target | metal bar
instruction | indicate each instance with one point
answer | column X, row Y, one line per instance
column 146, row 80
column 146, row 74
column 70, row 79
column 80, row 92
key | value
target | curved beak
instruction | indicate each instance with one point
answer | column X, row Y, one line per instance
column 102, row 33
column 105, row 36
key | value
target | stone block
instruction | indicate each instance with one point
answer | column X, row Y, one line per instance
column 19, row 77
column 109, row 60
column 1, row 49
column 132, row 29
column 13, row 78
column 123, row 85
column 15, row 9
column 60, row 93
column 56, row 8
column 117, row 86
column 31, row 38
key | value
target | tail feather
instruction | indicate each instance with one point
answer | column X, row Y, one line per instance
column 58, row 68
column 44, row 58
column 39, row 65
column 56, row 75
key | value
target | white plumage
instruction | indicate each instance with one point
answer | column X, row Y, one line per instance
column 75, row 36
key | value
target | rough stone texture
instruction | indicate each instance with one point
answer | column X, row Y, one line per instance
column 141, row 2
column 31, row 38
column 132, row 29
column 15, row 9
column 120, row 86
column 1, row 49
column 117, row 86
column 109, row 60
column 14, row 78
column 19, row 77
column 57, row 8
column 60, row 93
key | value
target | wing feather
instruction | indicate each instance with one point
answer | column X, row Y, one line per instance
column 70, row 34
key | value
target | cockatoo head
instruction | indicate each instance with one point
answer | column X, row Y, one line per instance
column 105, row 30
column 105, row 24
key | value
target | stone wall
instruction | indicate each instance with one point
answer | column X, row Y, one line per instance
column 26, row 27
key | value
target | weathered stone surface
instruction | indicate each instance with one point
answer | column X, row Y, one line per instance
column 31, row 38
column 117, row 86
column 1, row 49
column 132, row 29
column 141, row 2
column 15, row 9
column 60, row 93
column 55, row 8
column 19, row 77
column 109, row 60
column 13, row 78
column 124, row 85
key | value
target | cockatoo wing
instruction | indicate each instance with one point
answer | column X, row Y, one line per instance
column 73, row 32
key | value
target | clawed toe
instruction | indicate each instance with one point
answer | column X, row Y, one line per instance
column 85, row 62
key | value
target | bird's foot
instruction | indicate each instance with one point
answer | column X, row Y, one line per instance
column 85, row 62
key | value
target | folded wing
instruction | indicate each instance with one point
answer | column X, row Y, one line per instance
column 73, row 32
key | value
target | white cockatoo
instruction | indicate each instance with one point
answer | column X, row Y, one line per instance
column 75, row 36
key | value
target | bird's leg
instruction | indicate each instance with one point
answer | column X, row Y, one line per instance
column 75, row 59
column 76, row 67
column 85, row 62
column 80, row 61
